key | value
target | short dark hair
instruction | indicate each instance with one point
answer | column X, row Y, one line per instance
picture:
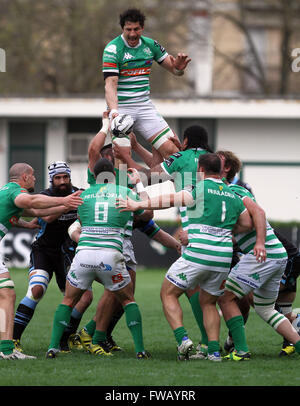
column 211, row 163
column 197, row 137
column 103, row 165
column 132, row 15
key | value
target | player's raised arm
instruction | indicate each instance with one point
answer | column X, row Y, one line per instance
column 98, row 141
column 176, row 65
column 110, row 88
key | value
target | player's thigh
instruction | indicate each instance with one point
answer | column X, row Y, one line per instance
column 212, row 282
column 149, row 121
column 269, row 288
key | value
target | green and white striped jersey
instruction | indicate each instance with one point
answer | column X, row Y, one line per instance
column 182, row 167
column 211, row 221
column 102, row 224
column 121, row 176
column 133, row 66
column 246, row 241
column 9, row 212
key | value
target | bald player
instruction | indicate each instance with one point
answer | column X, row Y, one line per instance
column 15, row 202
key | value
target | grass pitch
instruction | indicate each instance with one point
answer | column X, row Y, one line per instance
column 81, row 369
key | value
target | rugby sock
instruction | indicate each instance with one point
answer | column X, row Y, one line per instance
column 179, row 333
column 24, row 314
column 60, row 322
column 134, row 323
column 197, row 311
column 237, row 329
column 99, row 336
column 6, row 346
column 90, row 327
column 245, row 318
column 75, row 319
column 213, row 346
column 297, row 347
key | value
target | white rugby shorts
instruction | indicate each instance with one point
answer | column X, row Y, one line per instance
column 187, row 275
column 262, row 278
column 104, row 264
column 147, row 120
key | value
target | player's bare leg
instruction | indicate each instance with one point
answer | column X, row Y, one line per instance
column 211, row 321
column 173, row 312
column 7, row 303
column 160, row 141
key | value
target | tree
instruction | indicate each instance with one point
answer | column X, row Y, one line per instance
column 280, row 15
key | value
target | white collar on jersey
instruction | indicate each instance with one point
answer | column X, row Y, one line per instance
column 126, row 43
column 214, row 180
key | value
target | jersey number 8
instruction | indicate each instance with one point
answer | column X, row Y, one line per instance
column 101, row 212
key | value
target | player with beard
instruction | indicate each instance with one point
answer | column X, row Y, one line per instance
column 51, row 252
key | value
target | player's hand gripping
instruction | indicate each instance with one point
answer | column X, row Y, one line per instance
column 260, row 253
column 133, row 176
column 126, row 204
column 73, row 200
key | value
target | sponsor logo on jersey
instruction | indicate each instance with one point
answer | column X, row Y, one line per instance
column 127, row 56
column 220, row 193
column 135, row 72
column 147, row 51
column 111, row 48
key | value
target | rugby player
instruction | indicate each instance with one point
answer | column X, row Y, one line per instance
column 51, row 253
column 259, row 273
column 127, row 62
column 99, row 257
column 213, row 212
column 15, row 202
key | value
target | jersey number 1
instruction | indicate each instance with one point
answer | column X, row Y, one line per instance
column 223, row 211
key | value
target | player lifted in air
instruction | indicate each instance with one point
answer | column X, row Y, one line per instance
column 127, row 62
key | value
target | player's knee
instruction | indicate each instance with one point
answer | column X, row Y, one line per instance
column 87, row 298
column 37, row 292
column 163, row 144
column 38, row 284
column 7, row 291
column 269, row 315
